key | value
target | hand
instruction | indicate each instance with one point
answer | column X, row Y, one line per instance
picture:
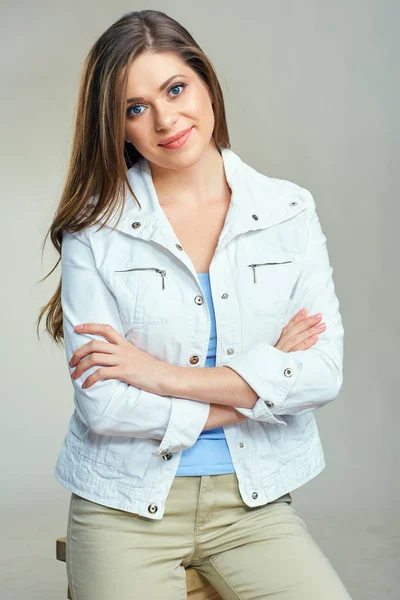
column 300, row 333
column 121, row 359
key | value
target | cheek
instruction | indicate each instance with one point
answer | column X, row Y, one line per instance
column 208, row 115
column 198, row 105
column 138, row 136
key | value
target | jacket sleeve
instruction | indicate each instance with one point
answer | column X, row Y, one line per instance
column 289, row 383
column 112, row 407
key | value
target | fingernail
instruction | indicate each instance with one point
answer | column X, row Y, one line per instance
column 78, row 326
column 318, row 315
column 302, row 312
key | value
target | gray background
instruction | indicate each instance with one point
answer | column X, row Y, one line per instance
column 312, row 95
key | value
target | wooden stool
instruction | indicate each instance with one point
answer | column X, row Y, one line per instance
column 198, row 587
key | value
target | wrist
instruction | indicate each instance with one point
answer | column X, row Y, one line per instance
column 168, row 380
column 220, row 415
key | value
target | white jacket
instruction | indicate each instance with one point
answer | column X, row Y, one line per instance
column 123, row 444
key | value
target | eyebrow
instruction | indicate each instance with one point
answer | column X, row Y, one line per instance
column 161, row 88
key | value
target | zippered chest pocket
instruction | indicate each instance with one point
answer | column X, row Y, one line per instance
column 142, row 293
column 268, row 283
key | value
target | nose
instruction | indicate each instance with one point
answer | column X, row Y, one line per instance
column 164, row 117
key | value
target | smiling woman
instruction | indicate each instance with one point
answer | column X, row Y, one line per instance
column 184, row 109
column 195, row 372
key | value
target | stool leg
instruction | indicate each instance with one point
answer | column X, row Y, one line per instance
column 69, row 594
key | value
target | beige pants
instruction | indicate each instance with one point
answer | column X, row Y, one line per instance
column 245, row 553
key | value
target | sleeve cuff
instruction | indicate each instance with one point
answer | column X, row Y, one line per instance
column 271, row 373
column 186, row 422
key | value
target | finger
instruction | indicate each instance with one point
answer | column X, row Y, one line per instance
column 304, row 324
column 104, row 329
column 89, row 348
column 104, row 360
column 290, row 346
column 102, row 373
column 303, row 335
column 306, row 343
column 299, row 316
column 283, row 344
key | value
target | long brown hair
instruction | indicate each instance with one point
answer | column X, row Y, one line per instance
column 100, row 157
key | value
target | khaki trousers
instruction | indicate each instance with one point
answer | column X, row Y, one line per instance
column 245, row 553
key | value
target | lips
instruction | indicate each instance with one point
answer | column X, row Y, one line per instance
column 174, row 137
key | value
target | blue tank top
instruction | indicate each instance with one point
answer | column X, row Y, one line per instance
column 210, row 454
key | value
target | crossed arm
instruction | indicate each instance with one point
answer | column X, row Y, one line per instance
column 221, row 387
column 260, row 383
column 118, row 404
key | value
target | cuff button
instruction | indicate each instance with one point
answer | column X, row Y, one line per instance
column 288, row 372
column 269, row 404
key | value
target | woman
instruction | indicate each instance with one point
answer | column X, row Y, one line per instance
column 171, row 463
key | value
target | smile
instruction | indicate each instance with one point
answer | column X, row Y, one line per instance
column 178, row 142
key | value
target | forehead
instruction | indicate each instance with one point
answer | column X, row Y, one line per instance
column 149, row 70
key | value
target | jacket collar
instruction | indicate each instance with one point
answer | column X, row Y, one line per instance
column 257, row 202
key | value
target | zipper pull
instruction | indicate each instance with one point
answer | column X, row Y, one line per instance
column 163, row 274
column 254, row 272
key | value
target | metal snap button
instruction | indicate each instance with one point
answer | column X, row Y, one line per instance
column 288, row 372
column 255, row 217
column 224, row 296
column 254, row 495
column 194, row 359
column 230, row 351
column 179, row 246
column 241, row 445
column 269, row 403
column 294, row 203
column 136, row 224
column 152, row 508
column 167, row 456
column 199, row 299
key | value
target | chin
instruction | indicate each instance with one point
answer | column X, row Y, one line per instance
column 183, row 159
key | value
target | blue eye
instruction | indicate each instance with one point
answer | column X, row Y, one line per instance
column 132, row 110
column 135, row 107
column 179, row 85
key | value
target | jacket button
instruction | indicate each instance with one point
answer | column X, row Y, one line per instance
column 199, row 299
column 224, row 296
column 288, row 372
column 254, row 495
column 136, row 224
column 152, row 508
column 269, row 403
column 241, row 445
column 194, row 359
column 230, row 351
column 179, row 246
column 167, row 456
column 255, row 217
column 293, row 203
